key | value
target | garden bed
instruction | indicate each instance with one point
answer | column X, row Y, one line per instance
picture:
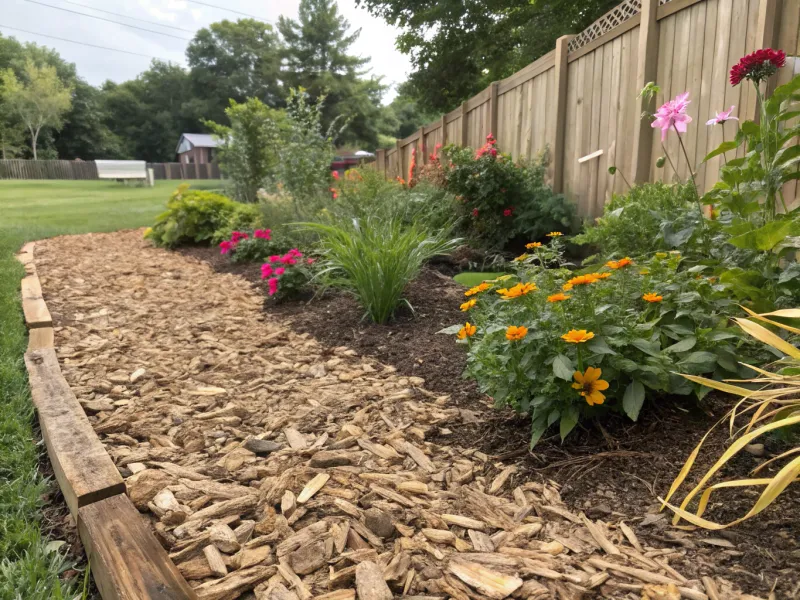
column 612, row 472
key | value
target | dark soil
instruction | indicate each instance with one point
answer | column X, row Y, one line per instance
column 609, row 471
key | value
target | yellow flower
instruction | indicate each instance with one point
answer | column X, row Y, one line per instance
column 582, row 280
column 644, row 272
column 514, row 333
column 466, row 331
column 675, row 252
column 468, row 304
column 533, row 245
column 590, row 385
column 577, row 336
column 601, row 275
column 482, row 287
column 521, row 257
column 559, row 297
column 518, row 290
column 553, row 234
column 502, row 291
column 618, row 264
column 652, row 297
column 661, row 255
column 566, row 287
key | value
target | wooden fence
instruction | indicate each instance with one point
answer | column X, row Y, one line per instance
column 580, row 100
column 75, row 169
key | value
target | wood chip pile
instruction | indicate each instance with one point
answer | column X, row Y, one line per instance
column 270, row 465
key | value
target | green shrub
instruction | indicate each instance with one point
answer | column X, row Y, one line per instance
column 192, row 216
column 632, row 224
column 500, row 200
column 376, row 259
column 640, row 323
column 245, row 217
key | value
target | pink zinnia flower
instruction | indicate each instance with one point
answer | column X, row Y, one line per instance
column 280, row 271
column 508, row 212
column 722, row 116
column 274, row 258
column 263, row 234
column 335, row 175
column 673, row 114
column 236, row 236
column 266, row 270
column 474, row 212
column 226, row 246
column 757, row 66
column 273, row 286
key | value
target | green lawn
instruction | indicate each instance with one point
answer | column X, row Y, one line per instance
column 31, row 210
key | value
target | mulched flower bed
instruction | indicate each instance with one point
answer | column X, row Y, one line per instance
column 626, row 465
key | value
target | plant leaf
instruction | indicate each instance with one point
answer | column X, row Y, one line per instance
column 721, row 149
column 569, row 419
column 762, row 334
column 684, row 345
column 633, row 400
column 764, row 238
column 563, row 368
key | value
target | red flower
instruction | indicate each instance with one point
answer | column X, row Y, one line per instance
column 508, row 212
column 226, row 246
column 237, row 236
column 474, row 212
column 335, row 175
column 758, row 66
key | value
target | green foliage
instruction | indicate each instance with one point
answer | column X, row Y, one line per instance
column 244, row 217
column 632, row 223
column 501, row 200
column 635, row 343
column 458, row 48
column 192, row 216
column 249, row 149
column 376, row 259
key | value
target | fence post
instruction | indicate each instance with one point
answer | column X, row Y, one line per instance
column 646, row 71
column 380, row 161
column 493, row 108
column 444, row 130
column 422, row 144
column 557, row 143
column 765, row 38
column 464, row 130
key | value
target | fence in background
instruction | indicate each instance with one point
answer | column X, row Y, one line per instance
column 580, row 99
column 75, row 169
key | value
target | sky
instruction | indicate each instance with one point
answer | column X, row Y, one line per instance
column 377, row 40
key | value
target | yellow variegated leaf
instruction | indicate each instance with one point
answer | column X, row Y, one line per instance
column 691, row 518
column 780, row 482
column 686, row 467
column 703, row 503
column 771, row 322
column 763, row 334
column 719, row 385
column 774, row 458
column 786, row 313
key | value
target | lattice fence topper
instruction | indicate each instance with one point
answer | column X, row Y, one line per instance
column 613, row 18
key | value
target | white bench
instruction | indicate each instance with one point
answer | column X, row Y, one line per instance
column 122, row 169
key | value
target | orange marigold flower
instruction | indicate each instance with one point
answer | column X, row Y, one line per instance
column 533, row 245
column 466, row 331
column 652, row 297
column 514, row 333
column 577, row 336
column 566, row 287
column 582, row 279
column 518, row 290
column 559, row 297
column 468, row 304
column 481, row 287
column 601, row 275
column 554, row 234
column 522, row 257
column 590, row 385
column 618, row 264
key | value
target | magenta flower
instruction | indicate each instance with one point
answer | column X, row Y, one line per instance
column 274, row 258
column 226, row 246
column 722, row 116
column 671, row 115
column 266, row 270
column 280, row 271
column 273, row 286
column 236, row 236
column 263, row 234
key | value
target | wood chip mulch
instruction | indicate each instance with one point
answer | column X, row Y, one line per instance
column 270, row 464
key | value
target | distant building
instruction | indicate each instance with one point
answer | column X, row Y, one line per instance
column 196, row 148
column 345, row 160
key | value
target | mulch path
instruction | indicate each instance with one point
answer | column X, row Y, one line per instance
column 609, row 472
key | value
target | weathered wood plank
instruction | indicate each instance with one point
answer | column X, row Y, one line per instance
column 40, row 338
column 81, row 464
column 33, row 305
column 127, row 561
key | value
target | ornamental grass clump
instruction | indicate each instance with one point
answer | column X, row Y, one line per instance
column 375, row 260
column 563, row 346
column 768, row 405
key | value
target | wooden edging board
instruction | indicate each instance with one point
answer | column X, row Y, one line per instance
column 127, row 562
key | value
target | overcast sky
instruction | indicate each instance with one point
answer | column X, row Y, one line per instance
column 95, row 65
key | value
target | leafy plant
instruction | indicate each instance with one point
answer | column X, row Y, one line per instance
column 375, row 259
column 287, row 276
column 245, row 217
column 562, row 346
column 770, row 404
column 499, row 199
column 192, row 216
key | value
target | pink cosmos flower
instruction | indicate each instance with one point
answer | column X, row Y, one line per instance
column 672, row 114
column 263, row 234
column 273, row 286
column 226, row 246
column 280, row 271
column 266, row 270
column 274, row 258
column 722, row 116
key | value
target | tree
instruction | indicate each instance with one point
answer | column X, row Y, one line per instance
column 317, row 58
column 458, row 48
column 235, row 60
column 406, row 114
column 40, row 100
column 85, row 134
column 249, row 149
